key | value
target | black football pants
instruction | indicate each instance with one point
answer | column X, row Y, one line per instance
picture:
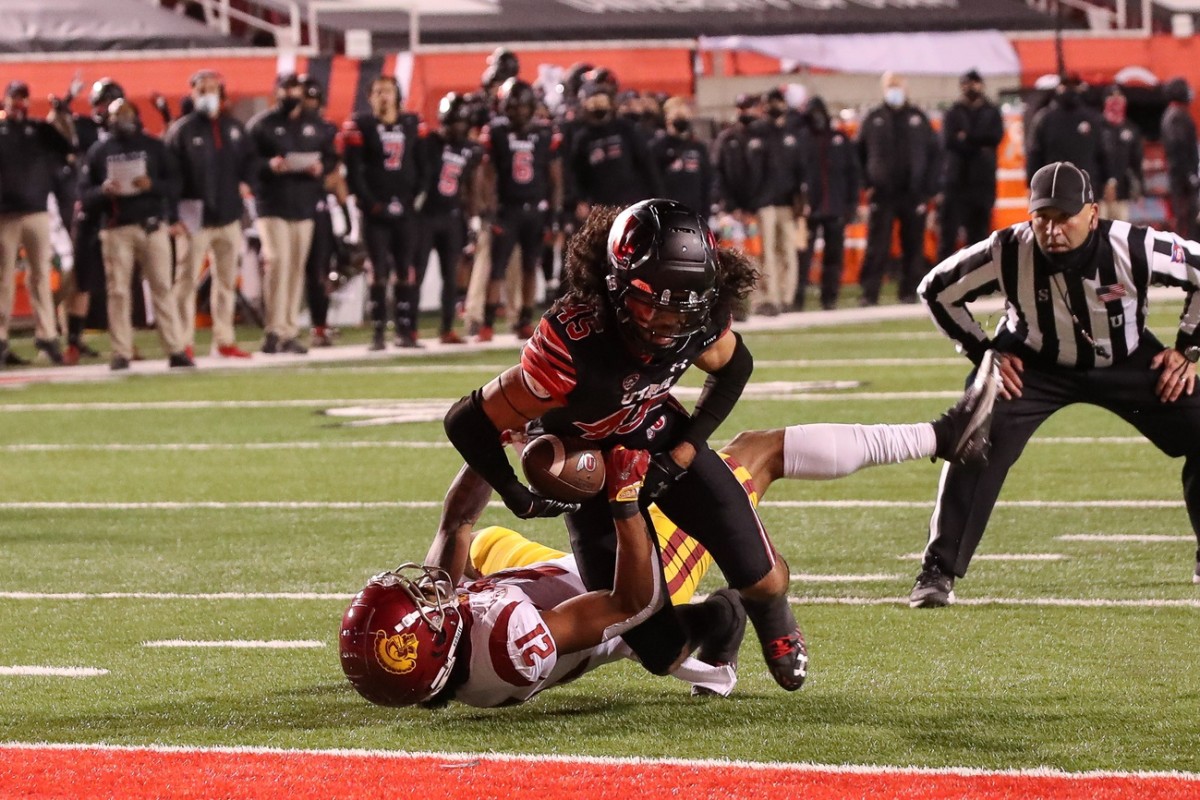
column 316, row 269
column 391, row 246
column 446, row 233
column 971, row 215
column 967, row 494
column 710, row 504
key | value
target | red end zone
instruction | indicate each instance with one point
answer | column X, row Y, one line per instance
column 34, row 771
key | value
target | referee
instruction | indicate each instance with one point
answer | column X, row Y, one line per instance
column 1073, row 331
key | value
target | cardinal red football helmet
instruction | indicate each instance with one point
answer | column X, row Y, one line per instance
column 400, row 635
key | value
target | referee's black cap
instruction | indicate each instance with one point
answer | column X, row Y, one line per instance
column 1060, row 185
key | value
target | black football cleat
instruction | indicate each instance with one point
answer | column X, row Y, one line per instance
column 963, row 431
column 787, row 660
column 720, row 647
column 933, row 589
column 270, row 343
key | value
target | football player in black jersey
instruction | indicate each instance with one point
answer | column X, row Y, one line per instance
column 524, row 167
column 450, row 163
column 648, row 295
column 385, row 175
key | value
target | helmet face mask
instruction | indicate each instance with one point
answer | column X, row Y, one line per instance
column 662, row 279
column 400, row 636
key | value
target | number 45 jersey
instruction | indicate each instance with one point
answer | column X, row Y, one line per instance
column 579, row 358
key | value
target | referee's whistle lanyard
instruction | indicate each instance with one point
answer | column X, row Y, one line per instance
column 1072, row 263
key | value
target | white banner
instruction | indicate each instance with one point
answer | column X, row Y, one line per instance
column 989, row 52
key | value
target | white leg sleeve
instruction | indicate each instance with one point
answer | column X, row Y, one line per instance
column 824, row 451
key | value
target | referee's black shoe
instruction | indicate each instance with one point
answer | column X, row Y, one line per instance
column 933, row 589
column 962, row 432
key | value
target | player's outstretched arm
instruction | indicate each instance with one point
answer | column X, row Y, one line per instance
column 465, row 501
column 638, row 591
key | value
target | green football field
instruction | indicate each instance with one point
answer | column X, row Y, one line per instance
column 140, row 515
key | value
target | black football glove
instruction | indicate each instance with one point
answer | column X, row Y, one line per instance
column 528, row 504
column 663, row 473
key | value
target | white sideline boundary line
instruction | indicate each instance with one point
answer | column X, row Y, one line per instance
column 53, row 672
column 218, row 596
column 401, row 755
column 150, row 447
column 238, row 644
column 1126, row 537
column 365, row 505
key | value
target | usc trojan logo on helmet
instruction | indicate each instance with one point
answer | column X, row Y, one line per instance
column 397, row 653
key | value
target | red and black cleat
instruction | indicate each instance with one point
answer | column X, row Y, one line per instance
column 787, row 659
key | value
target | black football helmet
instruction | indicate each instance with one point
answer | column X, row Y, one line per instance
column 454, row 107
column 104, row 91
column 504, row 63
column 662, row 274
column 517, row 100
column 400, row 636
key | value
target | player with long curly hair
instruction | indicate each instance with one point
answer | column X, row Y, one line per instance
column 648, row 295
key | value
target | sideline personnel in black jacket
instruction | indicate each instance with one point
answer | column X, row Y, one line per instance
column 31, row 151
column 295, row 155
column 132, row 182
column 900, row 154
column 971, row 131
column 217, row 164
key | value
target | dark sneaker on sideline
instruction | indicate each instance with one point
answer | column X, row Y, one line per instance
column 933, row 589
column 787, row 660
column 377, row 342
column 180, row 359
column 407, row 341
column 962, row 432
column 118, row 363
column 51, row 349
column 271, row 343
column 721, row 647
column 294, row 347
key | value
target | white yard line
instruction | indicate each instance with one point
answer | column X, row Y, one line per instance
column 999, row 557
column 1050, row 602
column 348, row 505
column 239, row 644
column 57, row 447
column 1126, row 537
column 53, row 672
column 810, row 578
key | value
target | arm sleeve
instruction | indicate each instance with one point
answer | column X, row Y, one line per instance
column 477, row 440
column 946, row 290
column 722, row 389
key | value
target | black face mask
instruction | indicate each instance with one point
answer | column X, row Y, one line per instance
column 775, row 113
column 1068, row 100
column 597, row 116
column 681, row 125
column 631, row 116
column 1074, row 260
column 747, row 119
column 289, row 104
column 972, row 95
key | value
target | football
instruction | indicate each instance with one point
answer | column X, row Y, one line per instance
column 565, row 469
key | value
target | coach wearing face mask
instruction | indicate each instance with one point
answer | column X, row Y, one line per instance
column 217, row 165
column 131, row 182
column 1067, row 130
column 682, row 161
column 899, row 152
column 295, row 154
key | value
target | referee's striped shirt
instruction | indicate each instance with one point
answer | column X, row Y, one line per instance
column 1107, row 297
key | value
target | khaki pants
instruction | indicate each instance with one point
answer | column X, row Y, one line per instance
column 285, row 245
column 481, row 272
column 123, row 247
column 33, row 232
column 225, row 242
column 780, row 264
